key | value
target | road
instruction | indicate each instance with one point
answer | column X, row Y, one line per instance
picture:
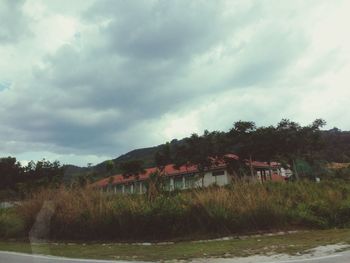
column 12, row 257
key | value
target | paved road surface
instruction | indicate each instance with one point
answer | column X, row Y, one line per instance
column 11, row 257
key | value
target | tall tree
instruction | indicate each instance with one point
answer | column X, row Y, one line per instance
column 295, row 141
column 163, row 156
column 110, row 167
column 132, row 168
column 243, row 140
column 10, row 172
column 266, row 147
column 203, row 151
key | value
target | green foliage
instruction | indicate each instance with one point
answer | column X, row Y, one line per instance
column 110, row 165
column 8, row 194
column 163, row 156
column 11, row 225
column 286, row 142
column 204, row 151
column 25, row 179
column 10, row 173
column 132, row 168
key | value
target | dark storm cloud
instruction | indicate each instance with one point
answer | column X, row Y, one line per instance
column 161, row 30
column 146, row 48
column 138, row 61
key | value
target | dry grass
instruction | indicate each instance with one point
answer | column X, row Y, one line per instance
column 88, row 214
column 338, row 165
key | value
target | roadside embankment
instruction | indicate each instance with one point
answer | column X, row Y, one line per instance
column 85, row 214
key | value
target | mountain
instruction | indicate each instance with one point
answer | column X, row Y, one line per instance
column 100, row 171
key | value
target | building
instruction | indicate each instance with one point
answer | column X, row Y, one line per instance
column 188, row 177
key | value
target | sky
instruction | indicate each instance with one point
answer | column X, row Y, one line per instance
column 87, row 80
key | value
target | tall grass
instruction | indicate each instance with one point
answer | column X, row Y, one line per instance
column 241, row 208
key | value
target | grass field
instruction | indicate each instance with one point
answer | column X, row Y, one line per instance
column 292, row 243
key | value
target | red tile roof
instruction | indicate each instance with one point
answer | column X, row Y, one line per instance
column 263, row 164
column 169, row 170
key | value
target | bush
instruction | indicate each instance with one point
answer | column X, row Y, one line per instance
column 11, row 225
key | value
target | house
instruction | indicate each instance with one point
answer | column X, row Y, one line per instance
column 187, row 177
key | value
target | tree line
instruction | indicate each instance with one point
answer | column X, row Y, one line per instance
column 22, row 179
column 287, row 142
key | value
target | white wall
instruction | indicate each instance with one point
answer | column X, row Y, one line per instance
column 220, row 180
column 181, row 182
column 286, row 172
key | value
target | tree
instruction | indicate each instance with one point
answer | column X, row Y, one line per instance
column 132, row 168
column 295, row 141
column 10, row 172
column 45, row 173
column 163, row 156
column 203, row 151
column 154, row 185
column 110, row 167
column 235, row 166
column 313, row 141
column 336, row 145
column 265, row 147
column 243, row 141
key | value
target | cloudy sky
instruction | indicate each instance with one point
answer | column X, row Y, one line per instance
column 87, row 80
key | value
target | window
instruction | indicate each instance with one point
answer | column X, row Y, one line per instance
column 190, row 181
column 144, row 187
column 127, row 188
column 218, row 173
column 138, row 187
column 119, row 188
column 167, row 186
column 178, row 183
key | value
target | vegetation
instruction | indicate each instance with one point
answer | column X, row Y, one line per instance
column 19, row 180
column 11, row 225
column 240, row 208
column 292, row 243
column 82, row 213
column 130, row 168
column 306, row 149
column 286, row 142
column 334, row 145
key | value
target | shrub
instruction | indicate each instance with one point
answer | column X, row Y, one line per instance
column 11, row 225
